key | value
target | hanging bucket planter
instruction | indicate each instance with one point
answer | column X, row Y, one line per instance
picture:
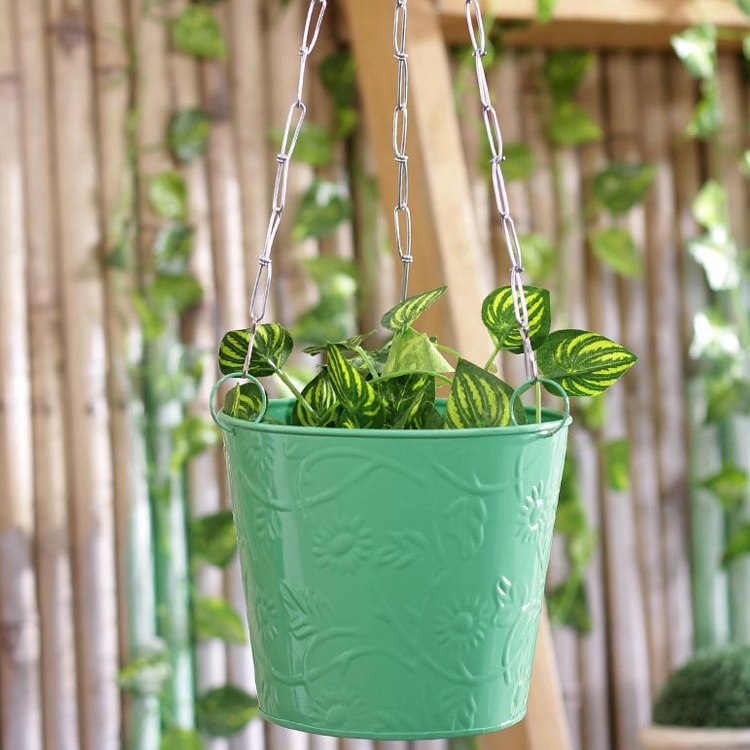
column 394, row 546
column 394, row 579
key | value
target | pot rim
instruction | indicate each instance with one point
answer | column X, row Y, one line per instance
column 542, row 429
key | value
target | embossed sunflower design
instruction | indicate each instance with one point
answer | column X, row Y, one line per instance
column 266, row 615
column 534, row 516
column 335, row 707
column 345, row 547
column 462, row 625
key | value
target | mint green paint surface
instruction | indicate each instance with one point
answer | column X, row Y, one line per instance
column 394, row 579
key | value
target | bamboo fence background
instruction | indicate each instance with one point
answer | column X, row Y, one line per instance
column 68, row 501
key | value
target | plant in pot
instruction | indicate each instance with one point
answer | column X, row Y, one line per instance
column 394, row 544
column 705, row 705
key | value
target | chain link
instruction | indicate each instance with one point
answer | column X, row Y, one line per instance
column 292, row 128
column 494, row 137
column 402, row 214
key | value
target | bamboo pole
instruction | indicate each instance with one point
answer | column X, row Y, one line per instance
column 623, row 108
column 663, row 288
column 726, row 151
column 163, row 409
column 625, row 605
column 20, row 699
column 115, row 83
column 53, row 554
column 709, row 581
column 87, row 436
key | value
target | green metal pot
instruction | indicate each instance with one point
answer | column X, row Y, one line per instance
column 394, row 579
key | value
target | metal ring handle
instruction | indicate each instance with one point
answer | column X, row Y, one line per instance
column 235, row 375
column 552, row 384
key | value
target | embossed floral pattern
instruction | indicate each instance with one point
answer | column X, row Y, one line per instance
column 463, row 625
column 345, row 547
column 336, row 708
column 533, row 521
column 266, row 615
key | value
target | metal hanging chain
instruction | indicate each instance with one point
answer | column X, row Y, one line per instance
column 402, row 214
column 492, row 126
column 292, row 128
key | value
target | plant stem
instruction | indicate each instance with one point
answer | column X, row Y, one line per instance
column 287, row 381
column 368, row 362
column 492, row 358
column 538, row 391
column 447, row 349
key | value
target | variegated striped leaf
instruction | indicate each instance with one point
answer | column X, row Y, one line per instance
column 583, row 363
column 407, row 399
column 273, row 345
column 498, row 315
column 412, row 351
column 479, row 399
column 244, row 402
column 320, row 395
column 362, row 404
column 351, row 343
column 406, row 313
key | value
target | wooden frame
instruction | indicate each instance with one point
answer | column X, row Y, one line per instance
column 630, row 24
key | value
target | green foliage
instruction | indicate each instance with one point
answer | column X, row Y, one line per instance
column 738, row 544
column 412, row 351
column 244, row 402
column 544, row 10
column 616, row 248
column 321, row 397
column 216, row 618
column 519, row 161
column 181, row 739
column 538, row 255
column 195, row 31
column 563, row 72
column 696, row 47
column 224, row 711
column 583, row 363
column 213, row 538
column 167, row 193
column 314, row 145
column 359, row 399
column 272, row 347
column 617, row 464
column 711, row 690
column 173, row 246
column 570, row 125
column 729, row 486
column 407, row 313
column 338, row 75
column 323, row 207
column 567, row 604
column 620, row 186
column 190, row 438
column 708, row 113
column 478, row 399
column 187, row 134
column 498, row 316
column 147, row 672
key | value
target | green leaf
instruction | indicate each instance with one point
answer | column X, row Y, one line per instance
column 479, row 399
column 498, row 315
column 244, row 401
column 362, row 403
column 181, row 739
column 407, row 312
column 696, row 47
column 152, row 322
column 190, row 438
column 213, row 538
column 738, row 544
column 730, row 486
column 409, row 400
column 323, row 208
column 216, row 618
column 563, row 72
column 273, row 345
column 725, row 397
column 708, row 114
column 744, row 6
column 346, row 344
column 412, row 351
column 745, row 164
column 519, row 160
column 187, row 133
column 337, row 73
column 320, row 395
column 539, row 256
column 167, row 193
column 583, row 363
column 314, row 145
column 616, row 248
column 715, row 340
column 196, row 32
column 568, row 605
column 173, row 246
column 570, row 125
column 224, row 711
column 147, row 673
column 717, row 254
column 617, row 463
column 710, row 207
column 544, row 10
column 591, row 413
column 620, row 186
column 175, row 292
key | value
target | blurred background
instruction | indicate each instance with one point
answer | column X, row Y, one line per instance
column 136, row 173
